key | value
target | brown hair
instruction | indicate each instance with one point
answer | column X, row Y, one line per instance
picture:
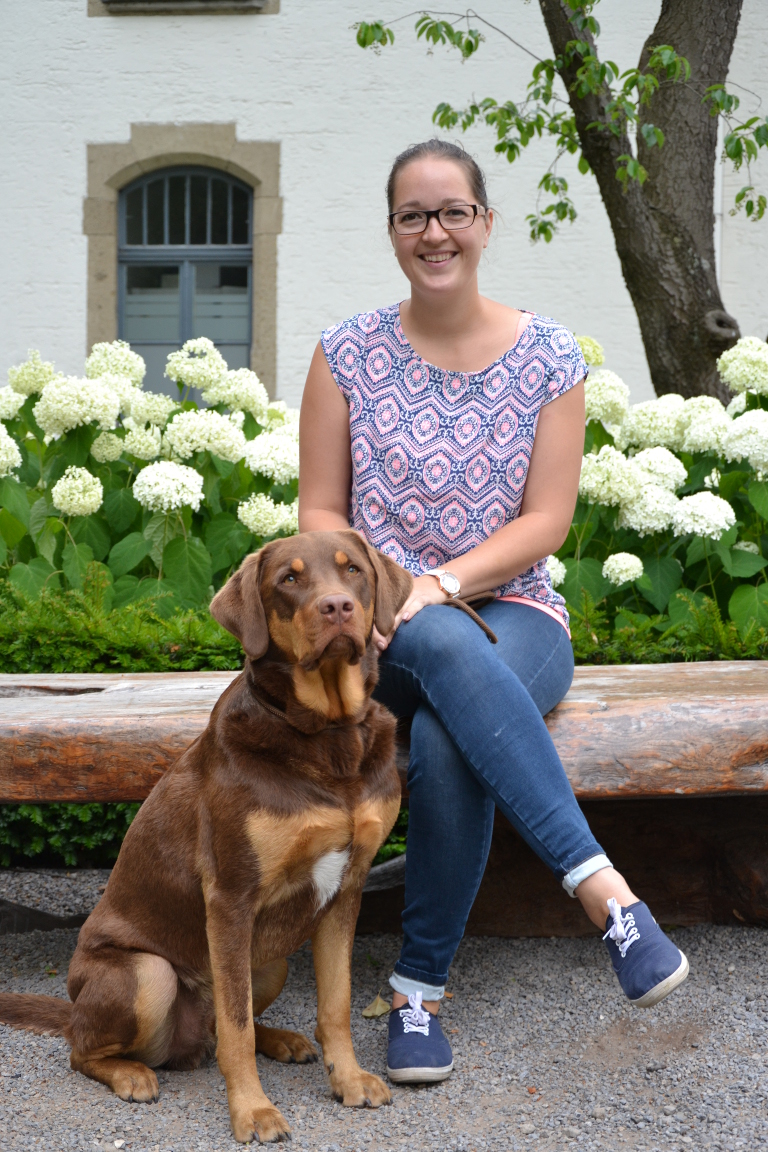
column 444, row 150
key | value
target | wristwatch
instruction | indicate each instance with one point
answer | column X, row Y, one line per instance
column 449, row 583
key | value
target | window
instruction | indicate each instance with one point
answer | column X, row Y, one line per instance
column 185, row 266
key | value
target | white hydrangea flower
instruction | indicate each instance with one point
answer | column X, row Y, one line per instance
column 78, row 493
column 275, row 454
column 107, row 447
column 746, row 546
column 279, row 414
column 33, row 375
column 10, row 456
column 143, row 443
column 191, row 432
column 706, row 425
column 73, row 400
column 737, row 405
column 593, row 353
column 151, row 408
column 704, row 514
column 557, row 571
column 606, row 396
column 654, row 423
column 608, row 477
column 237, row 418
column 240, row 390
column 10, row 403
column 661, row 467
column 262, row 516
column 198, row 364
column 745, row 366
column 116, row 358
column 122, row 385
column 167, row 487
column 650, row 510
column 713, row 480
column 748, row 438
column 622, row 567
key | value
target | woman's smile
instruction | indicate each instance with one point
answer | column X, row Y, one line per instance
column 437, row 257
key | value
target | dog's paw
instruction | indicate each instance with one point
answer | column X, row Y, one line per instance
column 360, row 1090
column 266, row 1124
column 136, row 1083
column 287, row 1047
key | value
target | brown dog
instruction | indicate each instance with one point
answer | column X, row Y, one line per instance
column 260, row 836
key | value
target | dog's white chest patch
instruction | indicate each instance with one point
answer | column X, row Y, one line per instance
column 327, row 874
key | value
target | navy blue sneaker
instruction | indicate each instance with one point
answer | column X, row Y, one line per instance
column 418, row 1051
column 646, row 962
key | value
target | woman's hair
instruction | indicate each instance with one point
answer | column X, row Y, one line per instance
column 443, row 150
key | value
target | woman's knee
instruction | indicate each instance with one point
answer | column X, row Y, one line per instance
column 435, row 633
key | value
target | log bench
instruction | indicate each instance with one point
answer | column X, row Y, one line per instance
column 669, row 762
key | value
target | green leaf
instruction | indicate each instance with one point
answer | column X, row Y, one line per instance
column 46, row 540
column 661, row 577
column 30, row 579
column 730, row 483
column 749, row 603
column 11, row 529
column 13, row 497
column 679, row 607
column 758, row 497
column 696, row 551
column 127, row 553
column 160, row 530
column 93, row 531
column 3, row 551
column 227, row 540
column 187, row 563
column 76, row 444
column 738, row 563
column 74, row 561
column 586, row 574
column 121, row 509
column 125, row 590
column 41, row 510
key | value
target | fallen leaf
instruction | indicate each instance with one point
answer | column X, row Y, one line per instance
column 377, row 1007
column 448, row 995
column 532, row 1091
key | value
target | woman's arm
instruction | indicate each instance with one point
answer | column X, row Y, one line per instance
column 325, row 459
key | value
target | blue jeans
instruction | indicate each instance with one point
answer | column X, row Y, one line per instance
column 477, row 740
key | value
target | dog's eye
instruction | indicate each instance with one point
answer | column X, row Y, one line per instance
column 289, row 579
column 353, row 569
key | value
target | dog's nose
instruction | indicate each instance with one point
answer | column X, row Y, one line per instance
column 336, row 609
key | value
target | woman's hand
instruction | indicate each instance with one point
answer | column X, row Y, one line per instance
column 426, row 590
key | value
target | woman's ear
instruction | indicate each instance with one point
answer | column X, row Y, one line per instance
column 238, row 607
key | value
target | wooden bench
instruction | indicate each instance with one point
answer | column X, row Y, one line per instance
column 670, row 763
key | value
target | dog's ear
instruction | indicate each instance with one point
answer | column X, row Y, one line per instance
column 238, row 607
column 393, row 587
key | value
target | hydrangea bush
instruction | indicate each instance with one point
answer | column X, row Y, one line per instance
column 101, row 480
column 673, row 500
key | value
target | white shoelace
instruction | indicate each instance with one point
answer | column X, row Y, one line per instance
column 623, row 931
column 414, row 1017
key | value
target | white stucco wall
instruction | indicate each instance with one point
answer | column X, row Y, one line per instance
column 340, row 115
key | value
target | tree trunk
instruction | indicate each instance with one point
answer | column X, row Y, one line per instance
column 664, row 229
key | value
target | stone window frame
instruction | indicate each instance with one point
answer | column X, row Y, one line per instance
column 152, row 146
column 183, row 7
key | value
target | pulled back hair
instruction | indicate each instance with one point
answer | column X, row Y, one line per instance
column 443, row 150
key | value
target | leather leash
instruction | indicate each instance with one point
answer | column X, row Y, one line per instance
column 480, row 599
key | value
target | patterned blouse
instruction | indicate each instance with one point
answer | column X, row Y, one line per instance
column 440, row 459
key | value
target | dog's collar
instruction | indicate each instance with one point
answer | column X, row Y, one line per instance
column 283, row 715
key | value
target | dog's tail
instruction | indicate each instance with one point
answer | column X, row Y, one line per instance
column 45, row 1015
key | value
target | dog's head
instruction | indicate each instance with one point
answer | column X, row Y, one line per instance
column 311, row 601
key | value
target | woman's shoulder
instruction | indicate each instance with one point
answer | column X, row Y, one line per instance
column 362, row 326
column 547, row 332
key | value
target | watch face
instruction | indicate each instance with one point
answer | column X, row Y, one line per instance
column 450, row 583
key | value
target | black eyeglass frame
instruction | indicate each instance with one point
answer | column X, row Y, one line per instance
column 435, row 213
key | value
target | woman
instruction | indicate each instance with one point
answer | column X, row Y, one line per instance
column 449, row 430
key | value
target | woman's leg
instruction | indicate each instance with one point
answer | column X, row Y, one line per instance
column 451, row 813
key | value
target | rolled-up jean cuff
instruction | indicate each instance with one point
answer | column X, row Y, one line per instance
column 406, row 987
column 572, row 879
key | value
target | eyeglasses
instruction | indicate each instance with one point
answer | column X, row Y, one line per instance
column 453, row 218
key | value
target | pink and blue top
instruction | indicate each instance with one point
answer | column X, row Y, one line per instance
column 440, row 459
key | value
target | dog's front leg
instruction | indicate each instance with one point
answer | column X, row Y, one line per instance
column 332, row 953
column 229, row 927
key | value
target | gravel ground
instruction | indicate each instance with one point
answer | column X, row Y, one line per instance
column 548, row 1054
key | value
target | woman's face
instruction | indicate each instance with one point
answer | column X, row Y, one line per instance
column 438, row 260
